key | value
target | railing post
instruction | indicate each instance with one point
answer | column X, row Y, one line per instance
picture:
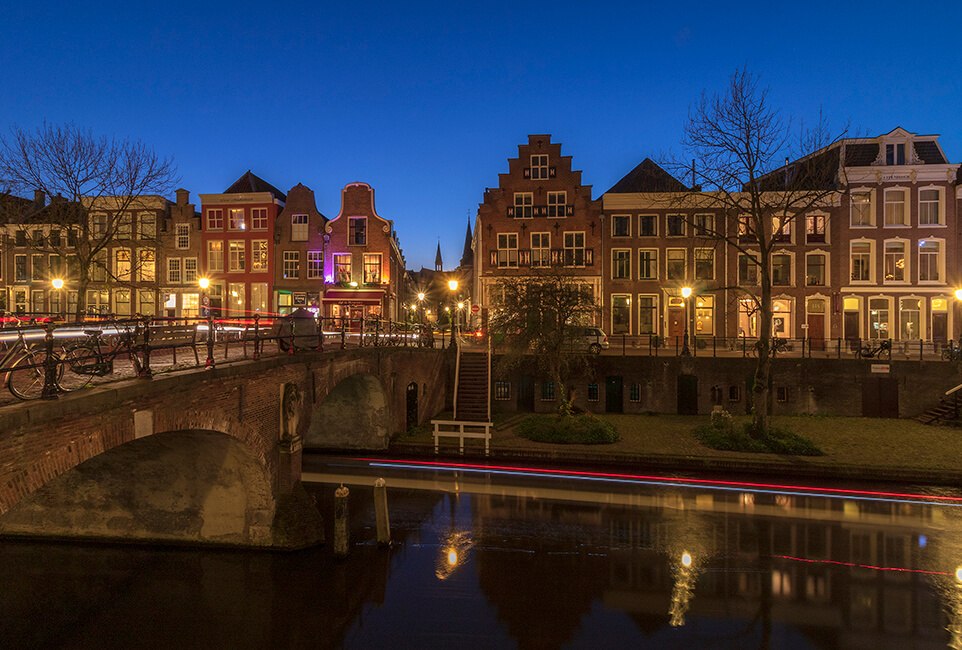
column 921, row 345
column 210, row 341
column 714, row 345
column 290, row 322
column 257, row 337
column 320, row 332
column 343, row 334
column 49, row 366
column 145, row 372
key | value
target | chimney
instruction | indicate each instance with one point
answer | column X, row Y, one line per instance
column 183, row 196
column 39, row 198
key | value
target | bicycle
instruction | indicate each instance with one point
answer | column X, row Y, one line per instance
column 25, row 375
column 951, row 352
column 882, row 351
column 778, row 345
column 94, row 356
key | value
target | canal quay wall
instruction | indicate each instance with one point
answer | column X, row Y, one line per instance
column 692, row 385
column 203, row 456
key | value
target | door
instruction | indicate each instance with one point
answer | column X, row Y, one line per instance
column 816, row 331
column 412, row 405
column 676, row 324
column 687, row 395
column 526, row 393
column 940, row 327
column 613, row 395
column 850, row 328
column 880, row 397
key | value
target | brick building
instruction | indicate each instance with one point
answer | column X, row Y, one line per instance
column 363, row 262
column 238, row 254
column 180, row 255
column 299, row 253
column 540, row 216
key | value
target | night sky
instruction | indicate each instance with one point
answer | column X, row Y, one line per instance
column 426, row 101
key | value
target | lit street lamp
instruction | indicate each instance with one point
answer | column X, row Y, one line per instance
column 685, row 350
column 61, row 307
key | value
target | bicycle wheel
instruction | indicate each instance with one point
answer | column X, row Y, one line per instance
column 885, row 354
column 26, row 377
column 77, row 358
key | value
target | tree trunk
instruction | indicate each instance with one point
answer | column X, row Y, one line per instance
column 763, row 370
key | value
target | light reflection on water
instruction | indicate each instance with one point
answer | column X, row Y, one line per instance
column 489, row 564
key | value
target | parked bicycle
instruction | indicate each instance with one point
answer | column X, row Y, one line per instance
column 881, row 351
column 94, row 356
column 778, row 345
column 24, row 365
column 951, row 352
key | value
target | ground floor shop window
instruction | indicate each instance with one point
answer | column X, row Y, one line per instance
column 910, row 320
column 236, row 299
column 260, row 299
column 190, row 305
column 647, row 314
column 704, row 315
column 878, row 318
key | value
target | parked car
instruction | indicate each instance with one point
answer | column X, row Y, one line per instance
column 592, row 339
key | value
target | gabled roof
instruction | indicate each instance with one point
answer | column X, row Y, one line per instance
column 250, row 183
column 647, row 177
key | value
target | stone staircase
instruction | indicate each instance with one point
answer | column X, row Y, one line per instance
column 945, row 411
column 471, row 391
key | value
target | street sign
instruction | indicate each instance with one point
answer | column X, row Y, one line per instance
column 475, row 309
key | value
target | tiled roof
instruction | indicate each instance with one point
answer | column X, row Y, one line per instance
column 815, row 173
column 929, row 153
column 647, row 177
column 860, row 154
column 249, row 183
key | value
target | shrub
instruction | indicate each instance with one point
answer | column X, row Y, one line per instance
column 722, row 420
column 739, row 439
column 582, row 429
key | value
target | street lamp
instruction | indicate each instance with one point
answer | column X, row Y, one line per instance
column 453, row 286
column 685, row 350
column 58, row 285
column 420, row 317
column 958, row 298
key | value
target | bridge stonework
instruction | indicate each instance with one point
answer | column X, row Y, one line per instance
column 204, row 456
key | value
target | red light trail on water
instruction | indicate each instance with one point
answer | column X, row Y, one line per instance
column 861, row 566
column 705, row 483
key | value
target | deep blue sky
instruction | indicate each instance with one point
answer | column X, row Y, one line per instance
column 426, row 101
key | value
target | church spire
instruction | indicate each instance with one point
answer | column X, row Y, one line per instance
column 437, row 259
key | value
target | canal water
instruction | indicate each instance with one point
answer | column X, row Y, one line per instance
column 513, row 558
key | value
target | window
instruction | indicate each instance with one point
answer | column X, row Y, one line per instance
column 705, row 264
column 782, row 229
column 55, row 239
column 215, row 256
column 676, row 225
column 648, row 225
column 557, row 204
column 878, row 318
column 292, row 265
column 746, row 231
column 146, row 302
column 634, row 392
column 861, row 255
column 734, row 394
column 502, row 390
column 122, row 302
column 675, row 263
column 621, row 264
column 215, row 219
column 235, row 259
column 98, row 271
column 647, row 314
column 620, row 225
column 781, row 393
column 148, row 225
column 299, row 228
column 37, row 267
column 372, row 268
column 647, row 264
column 574, row 250
column 190, row 270
column 98, row 228
column 235, row 219
column 540, row 249
column 620, row 314
column 930, row 260
column 895, row 261
column 125, row 224
column 895, row 154
column 173, row 271
column 815, row 229
column 507, row 250
column 747, row 270
column 930, row 207
column 522, row 205
column 815, row 270
column 342, row 267
column 37, row 237
column 781, row 270
column 122, row 265
column 895, row 214
column 315, row 265
column 357, row 231
column 547, row 391
column 259, row 218
column 183, row 236
column 539, row 166
column 704, row 225
column 862, row 208
column 147, row 265
column 592, row 392
column 259, row 260
column 910, row 324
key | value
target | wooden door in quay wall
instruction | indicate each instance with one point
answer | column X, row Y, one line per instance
column 880, row 397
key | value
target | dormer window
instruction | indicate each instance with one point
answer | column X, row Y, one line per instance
column 895, row 154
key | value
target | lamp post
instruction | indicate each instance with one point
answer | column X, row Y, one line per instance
column 685, row 350
column 61, row 308
column 420, row 318
column 453, row 287
column 958, row 298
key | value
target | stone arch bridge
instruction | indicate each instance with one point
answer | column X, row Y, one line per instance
column 206, row 456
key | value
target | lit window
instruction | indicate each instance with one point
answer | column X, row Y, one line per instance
column 342, row 267
column 215, row 256
column 292, row 265
column 147, row 265
column 895, row 261
column 236, row 250
column 259, row 260
column 781, row 229
column 122, row 265
column 815, row 229
column 540, row 249
column 190, row 270
column 372, row 268
column 236, row 219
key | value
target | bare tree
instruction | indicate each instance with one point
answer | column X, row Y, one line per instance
column 541, row 315
column 95, row 184
column 740, row 146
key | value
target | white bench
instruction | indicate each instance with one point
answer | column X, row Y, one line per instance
column 462, row 430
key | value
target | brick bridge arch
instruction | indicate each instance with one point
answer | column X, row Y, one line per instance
column 49, row 451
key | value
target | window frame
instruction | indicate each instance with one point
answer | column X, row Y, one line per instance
column 218, row 255
column 790, row 256
column 825, row 268
column 291, row 265
column 906, row 214
column 906, row 262
column 868, row 211
column 505, row 257
column 343, row 261
column 523, row 205
column 621, row 265
column 625, row 225
column 236, row 220
column 679, row 219
column 300, row 227
column 939, row 206
column 816, row 237
column 236, row 256
column 651, row 308
column 654, row 223
column 571, row 259
column 260, row 248
column 315, row 265
column 684, row 264
column 215, row 219
column 652, row 263
column 539, row 166
column 366, row 263
column 557, row 209
column 869, row 256
column 699, row 256
column 625, row 311
column 939, row 260
column 182, row 236
column 542, row 258
column 259, row 218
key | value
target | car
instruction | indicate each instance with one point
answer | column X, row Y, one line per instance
column 592, row 339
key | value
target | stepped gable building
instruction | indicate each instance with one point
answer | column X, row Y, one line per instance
column 180, row 255
column 364, row 264
column 540, row 216
column 299, row 253
column 237, row 236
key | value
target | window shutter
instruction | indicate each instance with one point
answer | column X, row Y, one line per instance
column 552, row 172
column 570, row 210
column 555, row 256
column 527, row 172
column 589, row 257
column 510, row 211
column 524, row 257
column 494, row 258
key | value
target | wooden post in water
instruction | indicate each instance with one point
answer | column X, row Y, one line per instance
column 380, row 513
column 340, row 522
